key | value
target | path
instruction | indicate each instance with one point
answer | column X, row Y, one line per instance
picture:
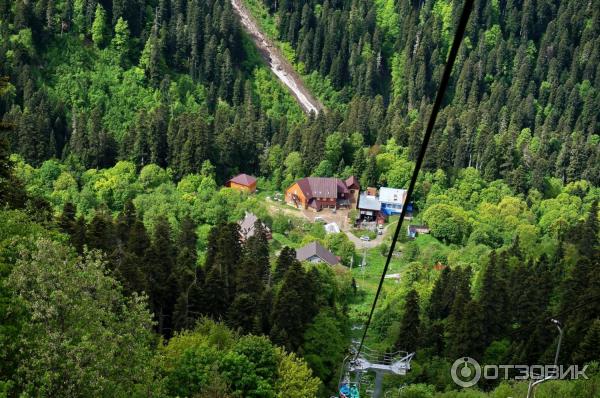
column 361, row 244
column 276, row 61
column 340, row 218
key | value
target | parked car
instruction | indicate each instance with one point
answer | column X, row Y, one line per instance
column 320, row 219
column 380, row 232
column 365, row 238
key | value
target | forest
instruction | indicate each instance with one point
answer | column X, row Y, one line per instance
column 121, row 268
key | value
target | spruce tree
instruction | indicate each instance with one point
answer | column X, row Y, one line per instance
column 286, row 258
column 66, row 221
column 256, row 250
column 161, row 279
column 410, row 326
column 215, row 295
column 100, row 232
column 494, row 302
column 589, row 348
column 188, row 277
column 79, row 237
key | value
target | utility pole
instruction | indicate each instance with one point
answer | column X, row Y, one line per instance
column 533, row 384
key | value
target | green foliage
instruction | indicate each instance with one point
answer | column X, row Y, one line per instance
column 274, row 99
column 324, row 346
column 81, row 336
column 210, row 359
column 448, row 223
column 99, row 27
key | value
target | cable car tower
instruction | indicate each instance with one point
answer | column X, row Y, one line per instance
column 355, row 368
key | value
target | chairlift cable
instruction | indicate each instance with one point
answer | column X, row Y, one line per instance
column 458, row 36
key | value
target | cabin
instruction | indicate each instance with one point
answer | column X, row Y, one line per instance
column 414, row 230
column 314, row 252
column 242, row 182
column 248, row 227
column 318, row 193
column 392, row 200
column 368, row 207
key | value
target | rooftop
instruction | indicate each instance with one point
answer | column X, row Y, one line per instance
column 316, row 249
column 352, row 181
column 368, row 202
column 322, row 187
column 243, row 179
column 247, row 227
column 392, row 195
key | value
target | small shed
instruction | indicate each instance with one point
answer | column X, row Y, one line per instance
column 414, row 230
column 242, row 182
column 332, row 228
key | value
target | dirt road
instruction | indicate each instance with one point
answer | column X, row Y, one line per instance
column 340, row 218
column 276, row 61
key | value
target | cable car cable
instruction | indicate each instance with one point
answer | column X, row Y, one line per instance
column 458, row 36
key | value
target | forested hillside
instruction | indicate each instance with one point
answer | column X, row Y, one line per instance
column 175, row 83
column 122, row 270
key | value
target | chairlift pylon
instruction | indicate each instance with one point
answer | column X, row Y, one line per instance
column 355, row 368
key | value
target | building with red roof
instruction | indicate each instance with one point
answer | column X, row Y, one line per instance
column 242, row 182
column 318, row 193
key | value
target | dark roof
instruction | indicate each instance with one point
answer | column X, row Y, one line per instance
column 316, row 249
column 342, row 188
column 415, row 228
column 243, row 179
column 367, row 202
column 322, row 187
column 352, row 182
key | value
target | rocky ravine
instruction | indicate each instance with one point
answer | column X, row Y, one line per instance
column 276, row 61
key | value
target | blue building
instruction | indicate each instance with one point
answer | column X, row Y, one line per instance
column 392, row 200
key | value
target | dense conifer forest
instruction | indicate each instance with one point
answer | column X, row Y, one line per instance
column 122, row 271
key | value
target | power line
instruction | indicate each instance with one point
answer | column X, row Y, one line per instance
column 458, row 36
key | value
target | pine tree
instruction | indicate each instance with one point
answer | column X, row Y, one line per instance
column 100, row 232
column 215, row 295
column 462, row 311
column 589, row 348
column 66, row 221
column 78, row 239
column 494, row 302
column 286, row 258
column 120, row 41
column 410, row 327
column 256, row 251
column 188, row 275
column 162, row 288
column 439, row 305
column 99, row 27
column 293, row 308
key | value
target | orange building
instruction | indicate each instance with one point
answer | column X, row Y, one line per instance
column 318, row 193
column 242, row 182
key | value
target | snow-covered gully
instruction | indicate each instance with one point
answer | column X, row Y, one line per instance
column 276, row 61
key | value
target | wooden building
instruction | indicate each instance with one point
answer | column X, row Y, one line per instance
column 242, row 182
column 318, row 193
